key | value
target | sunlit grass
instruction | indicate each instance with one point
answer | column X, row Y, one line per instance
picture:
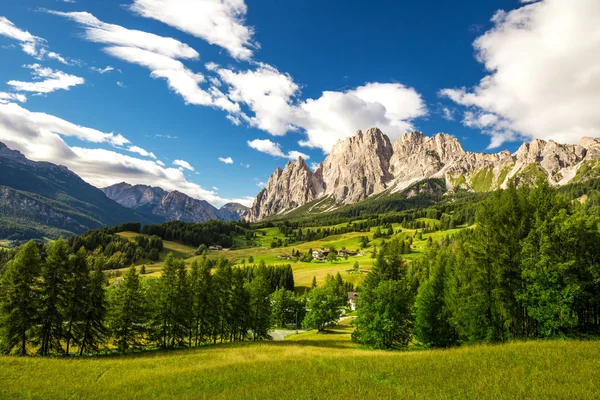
column 315, row 365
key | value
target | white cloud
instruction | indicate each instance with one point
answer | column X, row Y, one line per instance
column 337, row 115
column 162, row 164
column 104, row 70
column 165, row 136
column 8, row 97
column 121, row 84
column 141, row 152
column 38, row 137
column 33, row 45
column 447, row 114
column 219, row 22
column 314, row 166
column 49, row 80
column 267, row 92
column 39, row 124
column 245, row 165
column 274, row 149
column 183, row 164
column 227, row 160
column 157, row 53
column 543, row 74
column 260, row 184
column 270, row 96
column 215, row 188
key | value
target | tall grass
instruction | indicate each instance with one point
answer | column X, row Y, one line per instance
column 315, row 366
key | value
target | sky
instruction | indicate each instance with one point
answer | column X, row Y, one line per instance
column 208, row 97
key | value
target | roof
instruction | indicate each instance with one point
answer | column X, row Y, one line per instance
column 353, row 295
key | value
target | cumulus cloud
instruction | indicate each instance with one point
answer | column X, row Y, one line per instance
column 267, row 92
column 270, row 96
column 543, row 77
column 47, row 80
column 226, row 160
column 141, row 152
column 33, row 45
column 337, row 115
column 161, row 55
column 39, row 137
column 183, row 164
column 274, row 149
column 162, row 164
column 219, row 22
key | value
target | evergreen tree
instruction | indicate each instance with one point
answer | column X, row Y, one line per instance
column 52, row 298
column 282, row 305
column 76, row 284
column 314, row 282
column 128, row 315
column 91, row 332
column 384, row 315
column 18, row 304
column 260, row 308
column 432, row 316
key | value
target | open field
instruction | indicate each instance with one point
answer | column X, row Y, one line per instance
column 304, row 272
column 312, row 365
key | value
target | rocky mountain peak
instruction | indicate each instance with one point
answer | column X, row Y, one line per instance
column 367, row 163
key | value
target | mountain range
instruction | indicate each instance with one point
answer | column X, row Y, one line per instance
column 40, row 199
column 368, row 163
column 44, row 200
column 154, row 202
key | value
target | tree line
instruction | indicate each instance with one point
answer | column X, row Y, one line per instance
column 530, row 268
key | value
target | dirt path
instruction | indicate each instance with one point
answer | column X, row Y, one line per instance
column 281, row 334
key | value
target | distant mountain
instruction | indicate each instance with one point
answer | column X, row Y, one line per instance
column 233, row 211
column 156, row 202
column 41, row 199
column 368, row 164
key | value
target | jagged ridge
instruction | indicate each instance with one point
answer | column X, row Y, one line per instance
column 169, row 206
column 368, row 164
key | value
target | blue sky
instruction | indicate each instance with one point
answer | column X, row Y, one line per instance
column 257, row 82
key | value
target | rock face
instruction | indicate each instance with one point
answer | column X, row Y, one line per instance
column 170, row 206
column 287, row 188
column 368, row 164
column 357, row 167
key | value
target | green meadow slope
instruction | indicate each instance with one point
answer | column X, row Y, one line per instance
column 303, row 271
column 311, row 366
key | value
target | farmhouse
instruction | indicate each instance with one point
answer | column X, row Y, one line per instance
column 217, row 247
column 352, row 297
column 320, row 254
column 344, row 253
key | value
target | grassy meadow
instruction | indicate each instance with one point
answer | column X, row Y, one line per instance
column 315, row 365
column 303, row 271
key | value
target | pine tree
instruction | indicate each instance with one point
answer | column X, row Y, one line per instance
column 18, row 305
column 313, row 284
column 128, row 314
column 91, row 332
column 260, row 308
column 53, row 293
column 432, row 316
column 76, row 284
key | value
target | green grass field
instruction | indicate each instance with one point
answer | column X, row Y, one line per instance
column 303, row 272
column 311, row 366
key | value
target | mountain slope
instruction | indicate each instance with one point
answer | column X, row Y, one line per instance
column 368, row 164
column 40, row 199
column 155, row 202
